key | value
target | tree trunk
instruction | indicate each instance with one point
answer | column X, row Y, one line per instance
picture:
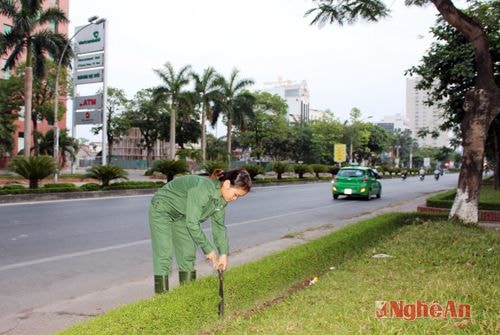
column 33, row 183
column 229, row 131
column 474, row 131
column 172, row 132
column 149, row 154
column 203, row 133
column 28, row 92
column 481, row 106
column 36, row 149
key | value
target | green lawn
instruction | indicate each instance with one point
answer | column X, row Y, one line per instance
column 432, row 261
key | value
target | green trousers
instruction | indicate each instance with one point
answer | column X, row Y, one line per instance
column 170, row 237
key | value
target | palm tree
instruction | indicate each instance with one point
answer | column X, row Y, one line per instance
column 172, row 86
column 234, row 103
column 208, row 91
column 68, row 146
column 29, row 37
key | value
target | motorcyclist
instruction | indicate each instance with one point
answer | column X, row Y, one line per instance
column 404, row 174
column 421, row 172
column 436, row 174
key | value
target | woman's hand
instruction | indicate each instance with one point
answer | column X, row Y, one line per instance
column 212, row 257
column 222, row 263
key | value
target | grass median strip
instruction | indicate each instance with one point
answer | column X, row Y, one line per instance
column 254, row 290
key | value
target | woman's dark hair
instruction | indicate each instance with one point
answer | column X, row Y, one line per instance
column 237, row 177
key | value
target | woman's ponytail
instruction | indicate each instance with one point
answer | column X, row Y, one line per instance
column 238, row 178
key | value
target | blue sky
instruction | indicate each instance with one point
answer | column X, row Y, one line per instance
column 361, row 65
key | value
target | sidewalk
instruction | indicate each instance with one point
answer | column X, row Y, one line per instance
column 48, row 319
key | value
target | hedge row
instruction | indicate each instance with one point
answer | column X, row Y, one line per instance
column 445, row 200
column 70, row 187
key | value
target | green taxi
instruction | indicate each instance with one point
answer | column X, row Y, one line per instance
column 356, row 181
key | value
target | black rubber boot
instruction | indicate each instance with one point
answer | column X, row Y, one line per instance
column 161, row 284
column 185, row 276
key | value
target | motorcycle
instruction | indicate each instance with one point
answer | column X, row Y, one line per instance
column 436, row 176
column 403, row 176
column 422, row 176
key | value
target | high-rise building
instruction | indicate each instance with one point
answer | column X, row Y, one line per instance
column 421, row 116
column 6, row 26
column 296, row 96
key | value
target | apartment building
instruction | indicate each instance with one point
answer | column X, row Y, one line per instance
column 420, row 115
column 6, row 26
column 296, row 96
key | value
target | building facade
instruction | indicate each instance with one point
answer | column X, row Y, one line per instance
column 296, row 96
column 6, row 26
column 421, row 116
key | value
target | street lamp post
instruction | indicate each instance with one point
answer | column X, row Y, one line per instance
column 92, row 20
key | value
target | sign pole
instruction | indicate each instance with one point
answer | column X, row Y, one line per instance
column 104, row 100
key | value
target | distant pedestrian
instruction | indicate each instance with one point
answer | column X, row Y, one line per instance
column 175, row 216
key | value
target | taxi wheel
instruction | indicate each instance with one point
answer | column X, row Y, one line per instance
column 379, row 194
column 335, row 196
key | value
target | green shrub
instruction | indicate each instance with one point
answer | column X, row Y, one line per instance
column 211, row 166
column 105, row 173
column 134, row 185
column 91, row 187
column 59, row 185
column 34, row 168
column 254, row 170
column 301, row 169
column 13, row 187
column 279, row 168
column 318, row 168
column 170, row 168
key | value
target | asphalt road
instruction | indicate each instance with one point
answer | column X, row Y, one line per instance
column 57, row 250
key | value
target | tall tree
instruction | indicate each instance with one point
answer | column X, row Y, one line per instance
column 11, row 101
column 234, row 103
column 29, row 36
column 208, row 92
column 448, row 70
column 482, row 102
column 269, row 110
column 171, row 89
column 144, row 112
column 117, row 124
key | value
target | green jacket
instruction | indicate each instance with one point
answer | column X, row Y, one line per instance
column 191, row 200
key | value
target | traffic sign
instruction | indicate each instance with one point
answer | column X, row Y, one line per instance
column 89, row 76
column 89, row 117
column 339, row 153
column 89, row 102
column 90, row 39
column 90, row 60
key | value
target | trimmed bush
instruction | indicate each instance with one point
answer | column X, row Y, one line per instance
column 59, row 185
column 302, row 169
column 135, row 185
column 13, row 187
column 279, row 168
column 90, row 187
column 318, row 168
column 254, row 170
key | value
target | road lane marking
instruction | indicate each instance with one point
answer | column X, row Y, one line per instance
column 141, row 242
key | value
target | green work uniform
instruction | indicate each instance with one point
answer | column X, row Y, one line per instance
column 175, row 216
